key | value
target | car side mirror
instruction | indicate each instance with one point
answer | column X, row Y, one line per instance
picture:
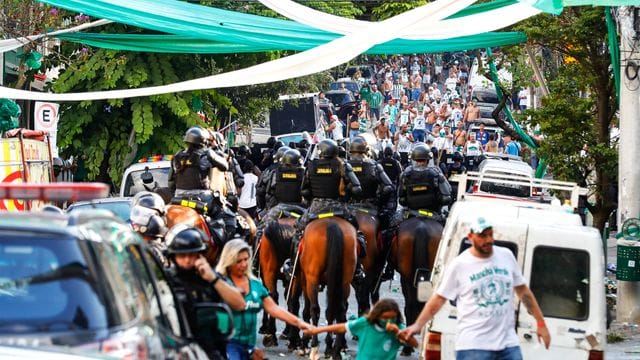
column 213, row 321
column 147, row 176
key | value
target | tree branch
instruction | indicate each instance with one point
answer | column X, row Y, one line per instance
column 502, row 124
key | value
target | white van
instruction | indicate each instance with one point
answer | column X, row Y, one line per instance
column 508, row 167
column 132, row 182
column 562, row 261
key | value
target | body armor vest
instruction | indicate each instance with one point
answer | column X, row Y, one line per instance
column 324, row 176
column 454, row 169
column 187, row 170
column 365, row 173
column 390, row 168
column 422, row 189
column 288, row 184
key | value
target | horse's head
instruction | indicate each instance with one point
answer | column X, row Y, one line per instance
column 177, row 214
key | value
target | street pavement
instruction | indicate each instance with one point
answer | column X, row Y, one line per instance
column 389, row 289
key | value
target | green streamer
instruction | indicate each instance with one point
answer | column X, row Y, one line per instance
column 614, row 49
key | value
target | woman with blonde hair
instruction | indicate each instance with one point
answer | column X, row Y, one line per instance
column 235, row 264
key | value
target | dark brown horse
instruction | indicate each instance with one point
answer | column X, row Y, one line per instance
column 328, row 256
column 275, row 247
column 373, row 262
column 414, row 250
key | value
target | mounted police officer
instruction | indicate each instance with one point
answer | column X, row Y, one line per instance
column 195, row 282
column 189, row 173
column 147, row 219
column 328, row 182
column 457, row 167
column 423, row 187
column 376, row 185
column 393, row 169
column 285, row 188
column 265, row 200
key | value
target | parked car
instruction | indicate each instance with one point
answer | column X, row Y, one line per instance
column 510, row 168
column 133, row 180
column 486, row 99
column 350, row 84
column 87, row 281
column 120, row 206
column 55, row 353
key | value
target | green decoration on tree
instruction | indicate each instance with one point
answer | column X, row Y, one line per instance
column 33, row 60
column 196, row 103
column 9, row 114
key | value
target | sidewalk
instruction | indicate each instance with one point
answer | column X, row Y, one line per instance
column 628, row 335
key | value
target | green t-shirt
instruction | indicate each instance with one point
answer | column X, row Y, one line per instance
column 245, row 322
column 374, row 342
column 365, row 94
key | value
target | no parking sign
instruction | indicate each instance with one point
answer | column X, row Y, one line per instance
column 46, row 116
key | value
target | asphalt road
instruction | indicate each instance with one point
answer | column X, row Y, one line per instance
column 389, row 289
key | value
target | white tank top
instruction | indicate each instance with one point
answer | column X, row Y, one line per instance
column 404, row 145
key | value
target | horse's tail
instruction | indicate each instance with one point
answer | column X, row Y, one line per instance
column 420, row 247
column 335, row 268
column 279, row 235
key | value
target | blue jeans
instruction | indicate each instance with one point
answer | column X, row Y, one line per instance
column 510, row 353
column 418, row 135
column 353, row 133
column 239, row 351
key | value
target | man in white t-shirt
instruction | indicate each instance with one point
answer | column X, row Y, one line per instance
column 482, row 280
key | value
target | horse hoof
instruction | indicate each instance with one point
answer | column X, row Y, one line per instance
column 263, row 330
column 283, row 336
column 406, row 351
column 269, row 341
column 301, row 351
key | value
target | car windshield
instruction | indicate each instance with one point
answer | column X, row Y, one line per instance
column 122, row 208
column 339, row 98
column 288, row 139
column 134, row 184
column 486, row 97
column 49, row 284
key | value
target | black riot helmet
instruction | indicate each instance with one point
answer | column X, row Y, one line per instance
column 292, row 157
column 457, row 156
column 421, row 153
column 359, row 145
column 196, row 136
column 185, row 239
column 149, row 200
column 387, row 152
column 244, row 150
column 277, row 145
column 271, row 141
column 279, row 153
column 327, row 149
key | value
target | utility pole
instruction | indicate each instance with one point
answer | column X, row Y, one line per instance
column 628, row 307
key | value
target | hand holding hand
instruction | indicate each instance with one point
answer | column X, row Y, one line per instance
column 393, row 328
column 405, row 334
column 311, row 331
column 204, row 269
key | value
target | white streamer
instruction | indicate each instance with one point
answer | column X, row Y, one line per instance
column 442, row 29
column 10, row 44
column 308, row 62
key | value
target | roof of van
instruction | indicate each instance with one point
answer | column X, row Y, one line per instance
column 515, row 166
column 525, row 212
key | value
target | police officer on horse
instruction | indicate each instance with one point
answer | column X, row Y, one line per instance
column 457, row 167
column 327, row 184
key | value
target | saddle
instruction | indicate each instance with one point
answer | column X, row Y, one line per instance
column 291, row 211
column 194, row 203
column 337, row 213
column 422, row 213
column 364, row 209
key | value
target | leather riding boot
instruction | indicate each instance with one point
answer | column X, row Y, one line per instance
column 359, row 274
column 362, row 241
column 387, row 238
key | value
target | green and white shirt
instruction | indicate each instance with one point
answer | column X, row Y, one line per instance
column 245, row 321
column 374, row 342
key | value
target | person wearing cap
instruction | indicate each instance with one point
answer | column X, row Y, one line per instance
column 482, row 280
column 195, row 282
column 334, row 129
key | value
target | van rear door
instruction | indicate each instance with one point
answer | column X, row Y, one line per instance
column 564, row 268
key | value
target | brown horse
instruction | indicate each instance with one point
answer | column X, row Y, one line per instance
column 177, row 214
column 414, row 250
column 373, row 263
column 328, row 256
column 275, row 247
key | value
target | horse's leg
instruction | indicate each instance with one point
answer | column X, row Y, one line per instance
column 294, row 308
column 410, row 298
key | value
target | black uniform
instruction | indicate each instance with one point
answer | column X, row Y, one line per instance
column 284, row 189
column 191, row 289
column 424, row 187
column 376, row 185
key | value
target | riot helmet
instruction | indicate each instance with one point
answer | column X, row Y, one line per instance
column 185, row 239
column 457, row 156
column 277, row 145
column 244, row 150
column 147, row 222
column 387, row 152
column 271, row 141
column 292, row 157
column 327, row 149
column 149, row 200
column 196, row 136
column 279, row 153
column 359, row 145
column 421, row 153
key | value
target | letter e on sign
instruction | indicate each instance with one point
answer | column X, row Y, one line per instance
column 46, row 116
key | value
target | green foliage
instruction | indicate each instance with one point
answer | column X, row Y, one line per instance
column 389, row 9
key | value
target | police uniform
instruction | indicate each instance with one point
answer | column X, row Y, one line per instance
column 285, row 190
column 377, row 188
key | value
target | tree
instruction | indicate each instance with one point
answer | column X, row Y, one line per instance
column 576, row 117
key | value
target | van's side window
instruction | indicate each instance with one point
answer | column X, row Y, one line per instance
column 560, row 282
column 465, row 244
